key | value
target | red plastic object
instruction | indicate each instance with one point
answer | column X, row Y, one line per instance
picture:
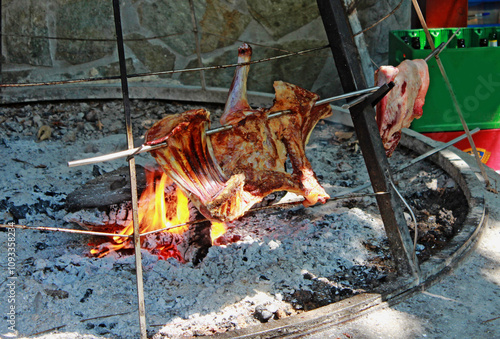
column 487, row 143
column 446, row 13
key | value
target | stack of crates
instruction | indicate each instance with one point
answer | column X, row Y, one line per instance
column 472, row 63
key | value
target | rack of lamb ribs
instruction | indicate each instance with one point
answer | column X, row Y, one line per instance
column 404, row 102
column 224, row 174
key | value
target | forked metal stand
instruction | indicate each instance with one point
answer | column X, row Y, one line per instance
column 347, row 60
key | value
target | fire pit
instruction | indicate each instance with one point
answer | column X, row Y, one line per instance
column 272, row 265
column 272, row 270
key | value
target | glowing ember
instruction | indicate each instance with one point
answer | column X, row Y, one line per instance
column 217, row 230
column 161, row 205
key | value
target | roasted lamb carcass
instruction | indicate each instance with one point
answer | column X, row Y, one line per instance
column 237, row 168
column 258, row 146
column 404, row 102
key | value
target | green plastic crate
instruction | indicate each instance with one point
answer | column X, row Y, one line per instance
column 474, row 73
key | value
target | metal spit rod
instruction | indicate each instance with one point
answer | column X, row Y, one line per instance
column 426, row 59
column 414, row 161
column 440, row 47
column 149, row 148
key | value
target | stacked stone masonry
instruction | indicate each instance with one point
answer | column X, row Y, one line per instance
column 271, row 27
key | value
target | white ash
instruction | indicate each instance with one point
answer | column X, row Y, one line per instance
column 237, row 285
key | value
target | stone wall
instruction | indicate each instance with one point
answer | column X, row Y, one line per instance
column 271, row 27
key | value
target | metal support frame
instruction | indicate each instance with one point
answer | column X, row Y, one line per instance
column 133, row 177
column 351, row 75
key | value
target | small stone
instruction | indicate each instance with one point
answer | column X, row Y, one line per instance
column 96, row 171
column 114, row 126
column 37, row 120
column 19, row 212
column 40, row 264
column 147, row 123
column 14, row 126
column 307, row 275
column 343, row 167
column 80, row 126
column 40, row 246
column 93, row 72
column 101, row 329
column 433, row 184
column 344, row 135
column 57, row 294
column 84, row 106
column 274, row 244
column 91, row 116
column 69, row 137
column 450, row 183
column 263, row 314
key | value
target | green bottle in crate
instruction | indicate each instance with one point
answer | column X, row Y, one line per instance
column 493, row 40
column 473, row 70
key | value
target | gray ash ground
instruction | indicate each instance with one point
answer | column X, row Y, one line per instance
column 270, row 264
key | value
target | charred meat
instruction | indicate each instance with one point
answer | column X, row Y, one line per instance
column 226, row 173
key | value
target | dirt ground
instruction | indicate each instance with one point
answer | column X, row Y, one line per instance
column 464, row 304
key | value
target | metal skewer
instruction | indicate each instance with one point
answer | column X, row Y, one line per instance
column 414, row 161
column 426, row 59
column 347, row 95
column 440, row 47
column 149, row 148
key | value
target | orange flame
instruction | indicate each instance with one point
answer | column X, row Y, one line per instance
column 155, row 213
column 217, row 230
column 153, row 210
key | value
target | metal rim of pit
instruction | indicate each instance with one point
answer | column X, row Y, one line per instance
column 432, row 270
column 347, row 309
